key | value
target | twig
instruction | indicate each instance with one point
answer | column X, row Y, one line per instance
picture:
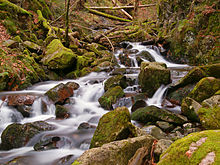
column 113, row 49
column 123, row 11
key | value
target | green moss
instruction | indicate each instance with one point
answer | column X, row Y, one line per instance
column 110, row 97
column 177, row 152
column 210, row 117
column 76, row 163
column 205, row 88
column 59, row 57
column 114, row 125
column 118, row 80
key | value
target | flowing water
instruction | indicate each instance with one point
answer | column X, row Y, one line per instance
column 84, row 108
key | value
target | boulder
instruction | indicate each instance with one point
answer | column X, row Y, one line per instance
column 138, row 104
column 146, row 55
column 117, row 152
column 21, row 99
column 61, row 112
column 110, row 97
column 155, row 132
column 17, row 135
column 165, row 126
column 205, row 88
column 189, row 108
column 177, row 96
column 114, row 125
column 140, row 157
column 152, row 76
column 161, row 146
column 58, row 57
column 209, row 113
column 197, row 148
column 118, row 80
column 61, row 92
column 118, row 71
column 154, row 114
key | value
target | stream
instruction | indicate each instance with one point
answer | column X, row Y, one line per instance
column 84, row 107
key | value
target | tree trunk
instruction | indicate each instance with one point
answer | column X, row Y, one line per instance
column 67, row 24
column 136, row 4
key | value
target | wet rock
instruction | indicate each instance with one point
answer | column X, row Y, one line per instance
column 193, row 149
column 72, row 85
column 146, row 56
column 125, row 45
column 205, row 88
column 152, row 76
column 47, row 144
column 190, row 109
column 161, row 146
column 138, row 104
column 60, row 92
column 114, row 125
column 119, row 71
column 17, row 135
column 125, row 60
column 110, row 97
column 117, row 152
column 148, row 42
column 179, row 94
column 141, row 156
column 25, row 110
column 154, row 114
column 155, row 132
column 86, row 125
column 118, row 80
column 165, row 126
column 58, row 57
column 62, row 112
column 15, row 100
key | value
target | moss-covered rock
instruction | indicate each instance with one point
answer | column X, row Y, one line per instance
column 59, row 57
column 32, row 46
column 114, row 125
column 196, row 148
column 154, row 114
column 117, row 152
column 118, row 80
column 110, row 97
column 205, row 88
column 17, row 135
column 189, row 108
column 152, row 76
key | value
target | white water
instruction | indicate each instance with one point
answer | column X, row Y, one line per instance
column 84, row 108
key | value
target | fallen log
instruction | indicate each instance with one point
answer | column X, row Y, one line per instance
column 123, row 11
column 120, row 7
column 107, row 15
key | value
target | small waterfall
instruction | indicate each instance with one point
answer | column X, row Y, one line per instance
column 158, row 96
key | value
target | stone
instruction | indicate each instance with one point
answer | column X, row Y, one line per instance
column 17, row 135
column 117, row 152
column 86, row 125
column 193, row 149
column 155, row 132
column 152, row 76
column 210, row 117
column 21, row 99
column 60, row 93
column 154, row 114
column 146, row 56
column 125, row 60
column 119, row 71
column 211, row 102
column 118, row 80
column 205, row 88
column 61, row 112
column 140, row 157
column 165, row 126
column 110, row 97
column 138, row 104
column 114, row 125
column 58, row 57
column 47, row 143
column 190, row 109
column 161, row 146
